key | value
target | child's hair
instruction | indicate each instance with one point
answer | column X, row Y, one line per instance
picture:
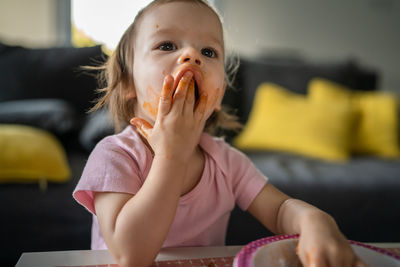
column 116, row 77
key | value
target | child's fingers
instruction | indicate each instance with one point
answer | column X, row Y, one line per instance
column 317, row 262
column 359, row 263
column 181, row 91
column 303, row 258
column 143, row 126
column 200, row 110
column 312, row 258
column 189, row 101
column 345, row 258
column 167, row 91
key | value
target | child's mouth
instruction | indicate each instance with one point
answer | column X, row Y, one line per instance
column 196, row 91
column 197, row 79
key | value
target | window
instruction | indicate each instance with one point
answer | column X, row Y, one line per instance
column 102, row 21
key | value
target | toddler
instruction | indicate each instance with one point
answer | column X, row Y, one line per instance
column 162, row 181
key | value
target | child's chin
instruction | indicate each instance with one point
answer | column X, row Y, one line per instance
column 150, row 118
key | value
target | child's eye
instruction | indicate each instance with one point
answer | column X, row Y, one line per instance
column 167, row 46
column 209, row 52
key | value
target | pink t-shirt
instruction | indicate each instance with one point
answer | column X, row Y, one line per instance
column 120, row 163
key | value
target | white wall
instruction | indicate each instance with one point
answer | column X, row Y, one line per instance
column 29, row 23
column 367, row 30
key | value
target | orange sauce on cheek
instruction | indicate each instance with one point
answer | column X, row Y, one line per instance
column 212, row 99
column 151, row 105
column 151, row 109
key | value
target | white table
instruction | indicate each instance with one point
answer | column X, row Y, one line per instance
column 94, row 257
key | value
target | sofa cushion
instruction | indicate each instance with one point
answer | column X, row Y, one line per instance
column 97, row 126
column 355, row 193
column 282, row 120
column 35, row 220
column 49, row 73
column 376, row 131
column 30, row 154
column 53, row 115
column 293, row 75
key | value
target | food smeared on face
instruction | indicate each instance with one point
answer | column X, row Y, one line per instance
column 165, row 46
column 151, row 105
column 151, row 109
column 201, row 86
column 196, row 92
column 212, row 101
column 198, row 74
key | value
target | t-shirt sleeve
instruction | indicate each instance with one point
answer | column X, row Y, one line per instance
column 109, row 168
column 247, row 180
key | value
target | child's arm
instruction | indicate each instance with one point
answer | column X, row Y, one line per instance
column 135, row 227
column 321, row 243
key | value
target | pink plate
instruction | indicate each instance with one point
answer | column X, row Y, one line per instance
column 281, row 251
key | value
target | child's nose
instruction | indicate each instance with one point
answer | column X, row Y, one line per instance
column 190, row 55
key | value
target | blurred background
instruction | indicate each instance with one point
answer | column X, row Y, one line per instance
column 336, row 148
column 366, row 30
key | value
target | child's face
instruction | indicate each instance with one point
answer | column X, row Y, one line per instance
column 172, row 39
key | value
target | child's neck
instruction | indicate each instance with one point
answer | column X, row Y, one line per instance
column 196, row 163
column 195, row 171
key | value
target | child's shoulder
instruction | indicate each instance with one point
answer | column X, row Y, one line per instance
column 127, row 142
column 217, row 143
column 221, row 150
column 213, row 143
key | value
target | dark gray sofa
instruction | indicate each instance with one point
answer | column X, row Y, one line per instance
column 45, row 88
column 362, row 196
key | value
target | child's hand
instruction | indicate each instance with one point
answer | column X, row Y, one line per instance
column 323, row 245
column 179, row 124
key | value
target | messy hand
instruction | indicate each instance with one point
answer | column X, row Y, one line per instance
column 179, row 123
column 323, row 245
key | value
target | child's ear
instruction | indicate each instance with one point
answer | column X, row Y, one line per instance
column 130, row 95
column 219, row 102
column 130, row 91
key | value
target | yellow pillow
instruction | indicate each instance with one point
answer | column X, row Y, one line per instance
column 376, row 131
column 31, row 154
column 282, row 120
